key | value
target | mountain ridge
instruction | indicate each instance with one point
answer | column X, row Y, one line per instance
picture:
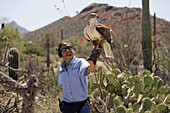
column 20, row 28
column 114, row 17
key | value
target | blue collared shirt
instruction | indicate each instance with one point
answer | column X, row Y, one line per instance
column 74, row 80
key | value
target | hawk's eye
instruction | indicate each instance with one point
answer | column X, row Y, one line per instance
column 91, row 16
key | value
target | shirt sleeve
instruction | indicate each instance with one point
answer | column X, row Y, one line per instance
column 83, row 66
column 59, row 78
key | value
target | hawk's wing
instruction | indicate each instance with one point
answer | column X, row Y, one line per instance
column 86, row 35
column 104, row 31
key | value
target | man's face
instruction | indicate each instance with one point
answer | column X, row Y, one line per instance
column 66, row 50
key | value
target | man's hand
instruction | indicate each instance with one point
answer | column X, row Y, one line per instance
column 95, row 54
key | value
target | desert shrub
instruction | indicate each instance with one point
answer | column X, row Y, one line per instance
column 31, row 49
column 161, row 57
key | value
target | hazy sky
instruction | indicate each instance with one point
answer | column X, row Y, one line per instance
column 34, row 14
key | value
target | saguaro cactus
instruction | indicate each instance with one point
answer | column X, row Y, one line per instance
column 154, row 24
column 2, row 25
column 146, row 36
column 61, row 34
column 48, row 49
column 13, row 59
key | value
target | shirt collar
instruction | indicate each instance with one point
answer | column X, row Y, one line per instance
column 71, row 62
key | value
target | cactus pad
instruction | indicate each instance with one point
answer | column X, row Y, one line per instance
column 116, row 72
column 138, row 87
column 127, row 72
column 146, row 104
column 148, row 80
column 110, row 88
column 121, row 77
column 167, row 99
column 161, row 107
column 110, row 79
column 146, row 72
column 121, row 109
column 93, row 87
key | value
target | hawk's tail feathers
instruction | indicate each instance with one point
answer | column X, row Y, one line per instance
column 108, row 50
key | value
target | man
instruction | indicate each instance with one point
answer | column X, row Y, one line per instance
column 72, row 77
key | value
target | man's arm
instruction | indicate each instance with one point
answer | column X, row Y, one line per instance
column 95, row 54
column 91, row 68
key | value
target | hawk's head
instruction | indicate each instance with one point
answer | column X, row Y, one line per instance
column 93, row 15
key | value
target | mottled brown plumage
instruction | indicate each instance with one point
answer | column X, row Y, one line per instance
column 99, row 35
column 104, row 31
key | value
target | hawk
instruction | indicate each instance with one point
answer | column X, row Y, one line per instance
column 99, row 35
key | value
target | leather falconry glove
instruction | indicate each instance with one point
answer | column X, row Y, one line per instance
column 95, row 54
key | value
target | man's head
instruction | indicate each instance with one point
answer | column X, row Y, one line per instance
column 65, row 49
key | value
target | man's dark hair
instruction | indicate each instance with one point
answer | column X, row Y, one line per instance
column 59, row 47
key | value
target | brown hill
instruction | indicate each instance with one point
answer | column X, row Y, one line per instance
column 121, row 20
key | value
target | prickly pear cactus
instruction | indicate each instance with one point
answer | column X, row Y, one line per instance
column 138, row 87
column 122, row 92
column 146, row 104
column 121, row 109
column 13, row 59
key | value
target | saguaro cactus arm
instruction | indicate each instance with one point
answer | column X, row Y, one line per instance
column 10, row 83
column 27, row 91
